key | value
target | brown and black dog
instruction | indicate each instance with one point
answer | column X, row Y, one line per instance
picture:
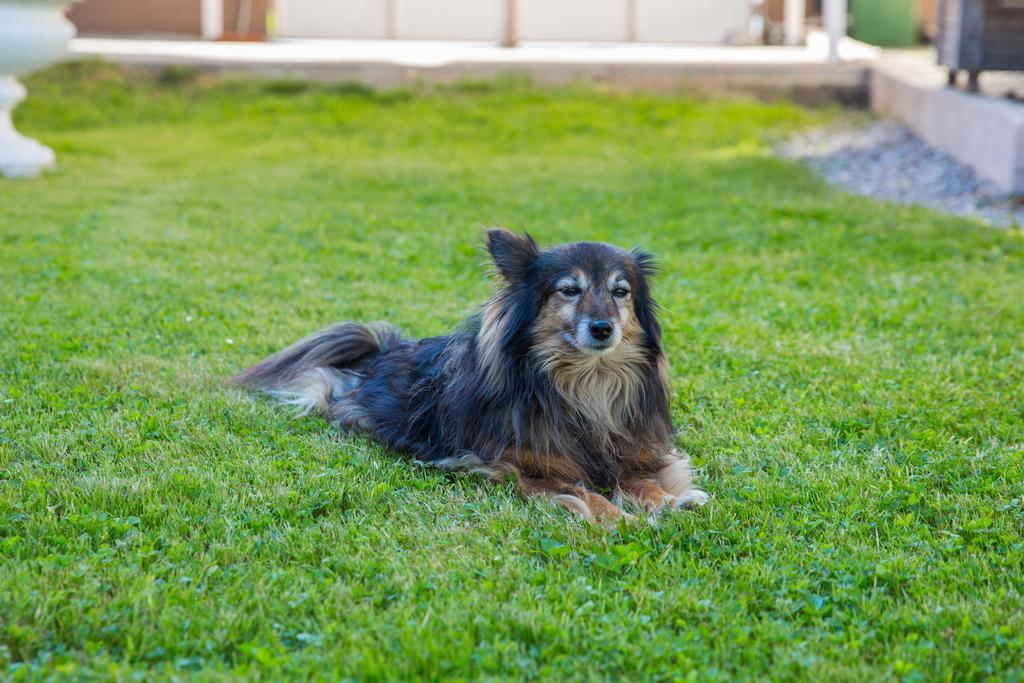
column 559, row 383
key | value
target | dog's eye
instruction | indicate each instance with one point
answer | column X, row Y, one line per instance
column 620, row 292
column 571, row 291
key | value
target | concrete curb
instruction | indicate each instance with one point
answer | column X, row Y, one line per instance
column 985, row 133
column 807, row 84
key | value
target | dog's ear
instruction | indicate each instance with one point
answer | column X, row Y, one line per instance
column 644, row 262
column 512, row 253
column 643, row 303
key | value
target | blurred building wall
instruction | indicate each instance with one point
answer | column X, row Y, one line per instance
column 927, row 13
column 136, row 16
column 175, row 17
column 446, row 19
column 331, row 18
column 690, row 21
column 601, row 20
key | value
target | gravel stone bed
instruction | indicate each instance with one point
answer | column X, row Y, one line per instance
column 886, row 161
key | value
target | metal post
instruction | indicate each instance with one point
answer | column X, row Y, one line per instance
column 793, row 20
column 510, row 24
column 834, row 18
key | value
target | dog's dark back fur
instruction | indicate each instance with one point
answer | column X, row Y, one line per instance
column 504, row 393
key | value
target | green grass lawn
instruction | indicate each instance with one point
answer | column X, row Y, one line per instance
column 847, row 376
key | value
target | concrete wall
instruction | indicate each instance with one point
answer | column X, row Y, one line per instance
column 986, row 133
column 672, row 21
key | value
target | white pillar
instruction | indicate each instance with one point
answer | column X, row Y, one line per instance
column 793, row 21
column 834, row 18
column 212, row 19
column 32, row 34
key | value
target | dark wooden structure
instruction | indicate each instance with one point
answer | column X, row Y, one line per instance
column 980, row 35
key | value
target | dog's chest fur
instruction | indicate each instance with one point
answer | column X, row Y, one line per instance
column 602, row 392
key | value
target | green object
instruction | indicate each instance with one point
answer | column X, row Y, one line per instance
column 847, row 376
column 887, row 23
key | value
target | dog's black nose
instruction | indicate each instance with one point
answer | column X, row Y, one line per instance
column 600, row 329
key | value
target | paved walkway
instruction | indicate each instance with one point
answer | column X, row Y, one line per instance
column 443, row 53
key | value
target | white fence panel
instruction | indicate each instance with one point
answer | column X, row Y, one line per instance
column 366, row 19
column 598, row 20
column 687, row 21
column 450, row 19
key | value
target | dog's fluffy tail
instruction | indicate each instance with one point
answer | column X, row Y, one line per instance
column 311, row 372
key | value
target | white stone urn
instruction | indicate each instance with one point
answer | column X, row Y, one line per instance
column 33, row 33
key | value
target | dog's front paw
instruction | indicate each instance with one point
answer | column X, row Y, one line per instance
column 690, row 500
